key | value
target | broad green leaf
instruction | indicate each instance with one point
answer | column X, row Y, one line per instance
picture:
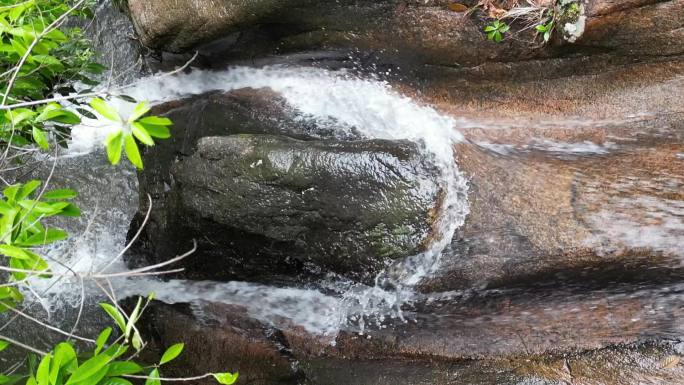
column 105, row 110
column 139, row 110
column 171, row 353
column 40, row 138
column 13, row 252
column 142, row 135
column 90, row 370
column 43, row 373
column 153, row 378
column 27, row 189
column 122, row 368
column 132, row 152
column 115, row 314
column 161, row 132
column 114, row 143
column 64, row 193
column 156, row 121
column 71, row 210
column 102, row 340
column 225, row 378
column 67, row 357
column 4, row 345
column 46, row 237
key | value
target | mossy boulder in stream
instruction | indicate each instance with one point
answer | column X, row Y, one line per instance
column 262, row 206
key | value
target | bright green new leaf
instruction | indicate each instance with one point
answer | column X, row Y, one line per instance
column 105, row 110
column 114, row 143
column 171, row 353
column 122, row 368
column 153, row 378
column 132, row 152
column 115, row 314
column 139, row 110
column 141, row 133
column 155, row 121
column 64, row 193
column 43, row 373
column 90, row 370
column 40, row 138
column 102, row 340
column 225, row 378
column 4, row 345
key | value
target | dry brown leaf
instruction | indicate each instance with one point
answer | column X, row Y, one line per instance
column 458, row 7
column 670, row 362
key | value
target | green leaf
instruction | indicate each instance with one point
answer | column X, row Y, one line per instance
column 64, row 193
column 40, row 138
column 90, row 370
column 171, row 353
column 153, row 378
column 43, row 373
column 132, row 151
column 102, row 340
column 114, row 143
column 122, row 368
column 4, row 345
column 490, row 28
column 540, row 28
column 142, row 135
column 161, row 132
column 105, row 110
column 133, row 318
column 45, row 237
column 13, row 252
column 225, row 378
column 71, row 210
column 139, row 110
column 115, row 314
column 156, row 121
column 27, row 189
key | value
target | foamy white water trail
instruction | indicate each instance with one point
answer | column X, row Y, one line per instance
column 369, row 107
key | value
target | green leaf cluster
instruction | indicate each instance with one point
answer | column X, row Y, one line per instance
column 137, row 128
column 22, row 212
column 496, row 29
column 545, row 29
column 53, row 59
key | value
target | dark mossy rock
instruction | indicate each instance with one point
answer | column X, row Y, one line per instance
column 280, row 205
column 261, row 205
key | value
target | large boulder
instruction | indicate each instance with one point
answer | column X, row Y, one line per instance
column 256, row 202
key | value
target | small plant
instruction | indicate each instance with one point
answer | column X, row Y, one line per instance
column 545, row 30
column 135, row 127
column 496, row 29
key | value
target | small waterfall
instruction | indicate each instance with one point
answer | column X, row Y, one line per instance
column 369, row 107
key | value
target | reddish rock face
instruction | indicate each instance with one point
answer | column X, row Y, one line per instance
column 220, row 337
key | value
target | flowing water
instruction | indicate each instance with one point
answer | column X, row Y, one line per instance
column 334, row 99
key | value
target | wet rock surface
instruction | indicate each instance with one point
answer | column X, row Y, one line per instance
column 256, row 202
column 433, row 33
column 221, row 334
column 263, row 205
column 568, row 268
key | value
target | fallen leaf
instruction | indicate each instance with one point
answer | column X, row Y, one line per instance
column 669, row 362
column 458, row 7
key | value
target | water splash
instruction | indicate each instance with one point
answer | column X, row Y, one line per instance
column 370, row 108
